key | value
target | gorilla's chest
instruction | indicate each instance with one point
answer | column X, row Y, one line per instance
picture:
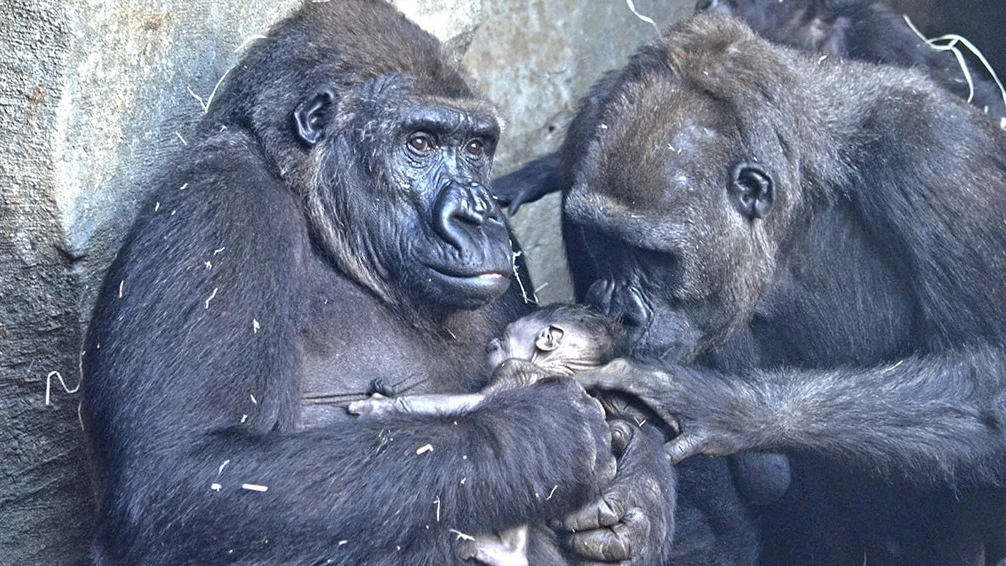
column 352, row 342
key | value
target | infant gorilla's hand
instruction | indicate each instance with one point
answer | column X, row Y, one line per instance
column 375, row 405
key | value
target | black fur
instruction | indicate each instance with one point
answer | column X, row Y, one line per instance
column 304, row 247
column 714, row 527
column 860, row 29
column 855, row 320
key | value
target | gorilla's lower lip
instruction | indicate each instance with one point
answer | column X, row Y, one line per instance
column 485, row 280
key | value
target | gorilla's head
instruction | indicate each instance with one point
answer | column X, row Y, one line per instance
column 390, row 153
column 690, row 182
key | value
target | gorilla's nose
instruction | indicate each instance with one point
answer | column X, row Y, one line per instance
column 461, row 212
column 624, row 302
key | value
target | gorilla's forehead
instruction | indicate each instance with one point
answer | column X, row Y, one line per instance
column 661, row 131
column 464, row 115
column 689, row 136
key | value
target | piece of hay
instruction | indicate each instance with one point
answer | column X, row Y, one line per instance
column 57, row 375
column 635, row 12
column 951, row 46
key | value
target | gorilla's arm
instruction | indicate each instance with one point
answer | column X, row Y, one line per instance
column 923, row 419
column 192, row 391
column 531, row 182
column 425, row 480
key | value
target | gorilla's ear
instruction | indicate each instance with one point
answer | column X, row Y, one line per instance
column 752, row 191
column 549, row 338
column 312, row 116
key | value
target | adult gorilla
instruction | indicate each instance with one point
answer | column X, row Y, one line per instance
column 811, row 252
column 330, row 226
column 858, row 29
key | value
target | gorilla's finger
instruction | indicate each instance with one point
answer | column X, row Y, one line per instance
column 685, row 445
column 536, row 179
column 621, row 435
column 514, row 206
column 605, row 512
column 615, row 543
column 670, row 420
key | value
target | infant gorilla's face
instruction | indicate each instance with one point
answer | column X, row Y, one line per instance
column 524, row 339
column 559, row 341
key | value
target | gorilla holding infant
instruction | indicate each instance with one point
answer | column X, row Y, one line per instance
column 810, row 253
column 329, row 226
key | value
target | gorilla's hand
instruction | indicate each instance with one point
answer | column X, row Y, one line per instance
column 702, row 407
column 528, row 184
column 633, row 521
column 555, row 416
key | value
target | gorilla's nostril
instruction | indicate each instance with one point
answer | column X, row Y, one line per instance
column 632, row 310
column 476, row 209
column 632, row 319
column 622, row 301
column 471, row 214
column 600, row 294
column 703, row 5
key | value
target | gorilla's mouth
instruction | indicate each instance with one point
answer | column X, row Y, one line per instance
column 486, row 282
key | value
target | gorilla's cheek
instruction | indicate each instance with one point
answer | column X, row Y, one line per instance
column 670, row 336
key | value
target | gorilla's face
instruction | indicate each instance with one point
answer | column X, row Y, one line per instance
column 453, row 246
column 680, row 205
column 412, row 208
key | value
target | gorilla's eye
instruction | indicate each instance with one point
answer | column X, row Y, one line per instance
column 421, row 143
column 475, row 147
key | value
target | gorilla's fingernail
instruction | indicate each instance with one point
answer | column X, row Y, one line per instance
column 621, row 433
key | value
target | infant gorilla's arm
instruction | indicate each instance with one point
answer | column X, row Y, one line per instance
column 378, row 405
column 556, row 340
column 509, row 374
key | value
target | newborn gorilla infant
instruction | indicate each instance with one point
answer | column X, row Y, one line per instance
column 556, row 340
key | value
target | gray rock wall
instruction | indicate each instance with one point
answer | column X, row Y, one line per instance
column 94, row 96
